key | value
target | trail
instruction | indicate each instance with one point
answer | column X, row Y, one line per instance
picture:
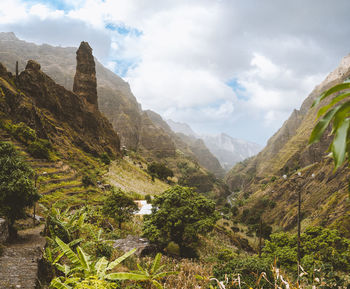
column 19, row 261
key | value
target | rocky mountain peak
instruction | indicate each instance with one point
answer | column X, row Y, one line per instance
column 33, row 65
column 8, row 36
column 85, row 84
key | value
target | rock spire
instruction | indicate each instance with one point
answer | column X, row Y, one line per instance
column 85, row 84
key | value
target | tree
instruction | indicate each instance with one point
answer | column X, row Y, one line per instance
column 179, row 214
column 160, row 171
column 119, row 206
column 336, row 113
column 17, row 190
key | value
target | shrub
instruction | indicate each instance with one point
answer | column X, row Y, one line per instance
column 17, row 189
column 249, row 268
column 105, row 158
column 40, row 149
column 23, row 132
column 88, row 180
column 160, row 171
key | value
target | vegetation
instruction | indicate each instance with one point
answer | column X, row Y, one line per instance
column 179, row 215
column 336, row 113
column 119, row 206
column 17, row 190
column 321, row 248
column 160, row 171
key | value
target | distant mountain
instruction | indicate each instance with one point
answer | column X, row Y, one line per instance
column 226, row 149
column 181, row 127
column 230, row 151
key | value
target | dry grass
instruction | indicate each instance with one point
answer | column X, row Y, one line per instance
column 129, row 177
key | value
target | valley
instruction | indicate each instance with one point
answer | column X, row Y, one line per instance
column 78, row 153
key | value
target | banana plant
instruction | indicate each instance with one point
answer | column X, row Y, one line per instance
column 337, row 113
column 152, row 275
column 82, row 268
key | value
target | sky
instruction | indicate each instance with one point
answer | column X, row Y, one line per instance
column 237, row 67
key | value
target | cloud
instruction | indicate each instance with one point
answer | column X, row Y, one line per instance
column 235, row 66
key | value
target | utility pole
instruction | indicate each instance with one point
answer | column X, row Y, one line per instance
column 260, row 237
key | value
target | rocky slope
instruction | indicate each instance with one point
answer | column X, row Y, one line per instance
column 55, row 113
column 115, row 99
column 326, row 195
column 189, row 145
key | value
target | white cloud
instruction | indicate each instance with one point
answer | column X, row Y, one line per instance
column 184, row 52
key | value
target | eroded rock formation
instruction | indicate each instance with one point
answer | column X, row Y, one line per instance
column 85, row 84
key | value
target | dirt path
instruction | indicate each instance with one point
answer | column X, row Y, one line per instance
column 19, row 262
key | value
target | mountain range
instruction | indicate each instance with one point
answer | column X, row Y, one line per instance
column 226, row 149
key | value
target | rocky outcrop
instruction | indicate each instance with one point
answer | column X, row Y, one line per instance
column 85, row 84
column 4, row 231
column 142, row 245
column 56, row 113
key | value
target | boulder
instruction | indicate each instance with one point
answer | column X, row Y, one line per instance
column 142, row 245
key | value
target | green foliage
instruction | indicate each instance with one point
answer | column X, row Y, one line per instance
column 17, row 190
column 105, row 158
column 64, row 224
column 244, row 272
column 119, row 206
column 88, row 179
column 82, row 269
column 319, row 247
column 160, row 171
column 40, row 148
column 179, row 214
column 23, row 132
column 151, row 275
column 336, row 113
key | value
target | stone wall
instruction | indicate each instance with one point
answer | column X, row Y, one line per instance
column 4, row 231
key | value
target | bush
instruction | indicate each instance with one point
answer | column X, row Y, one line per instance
column 17, row 190
column 105, row 158
column 249, row 268
column 23, row 133
column 88, row 180
column 40, row 149
column 160, row 171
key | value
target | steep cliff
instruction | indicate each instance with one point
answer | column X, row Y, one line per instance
column 288, row 151
column 189, row 145
column 54, row 112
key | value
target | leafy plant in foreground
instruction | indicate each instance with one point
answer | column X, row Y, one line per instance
column 336, row 112
column 83, row 269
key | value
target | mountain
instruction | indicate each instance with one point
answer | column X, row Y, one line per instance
column 65, row 118
column 191, row 146
column 181, row 127
column 115, row 100
column 136, row 130
column 226, row 149
column 230, row 151
column 325, row 192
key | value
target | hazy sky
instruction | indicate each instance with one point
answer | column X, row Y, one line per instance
column 238, row 67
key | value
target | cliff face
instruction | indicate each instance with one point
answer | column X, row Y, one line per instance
column 55, row 112
column 288, row 151
column 189, row 145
